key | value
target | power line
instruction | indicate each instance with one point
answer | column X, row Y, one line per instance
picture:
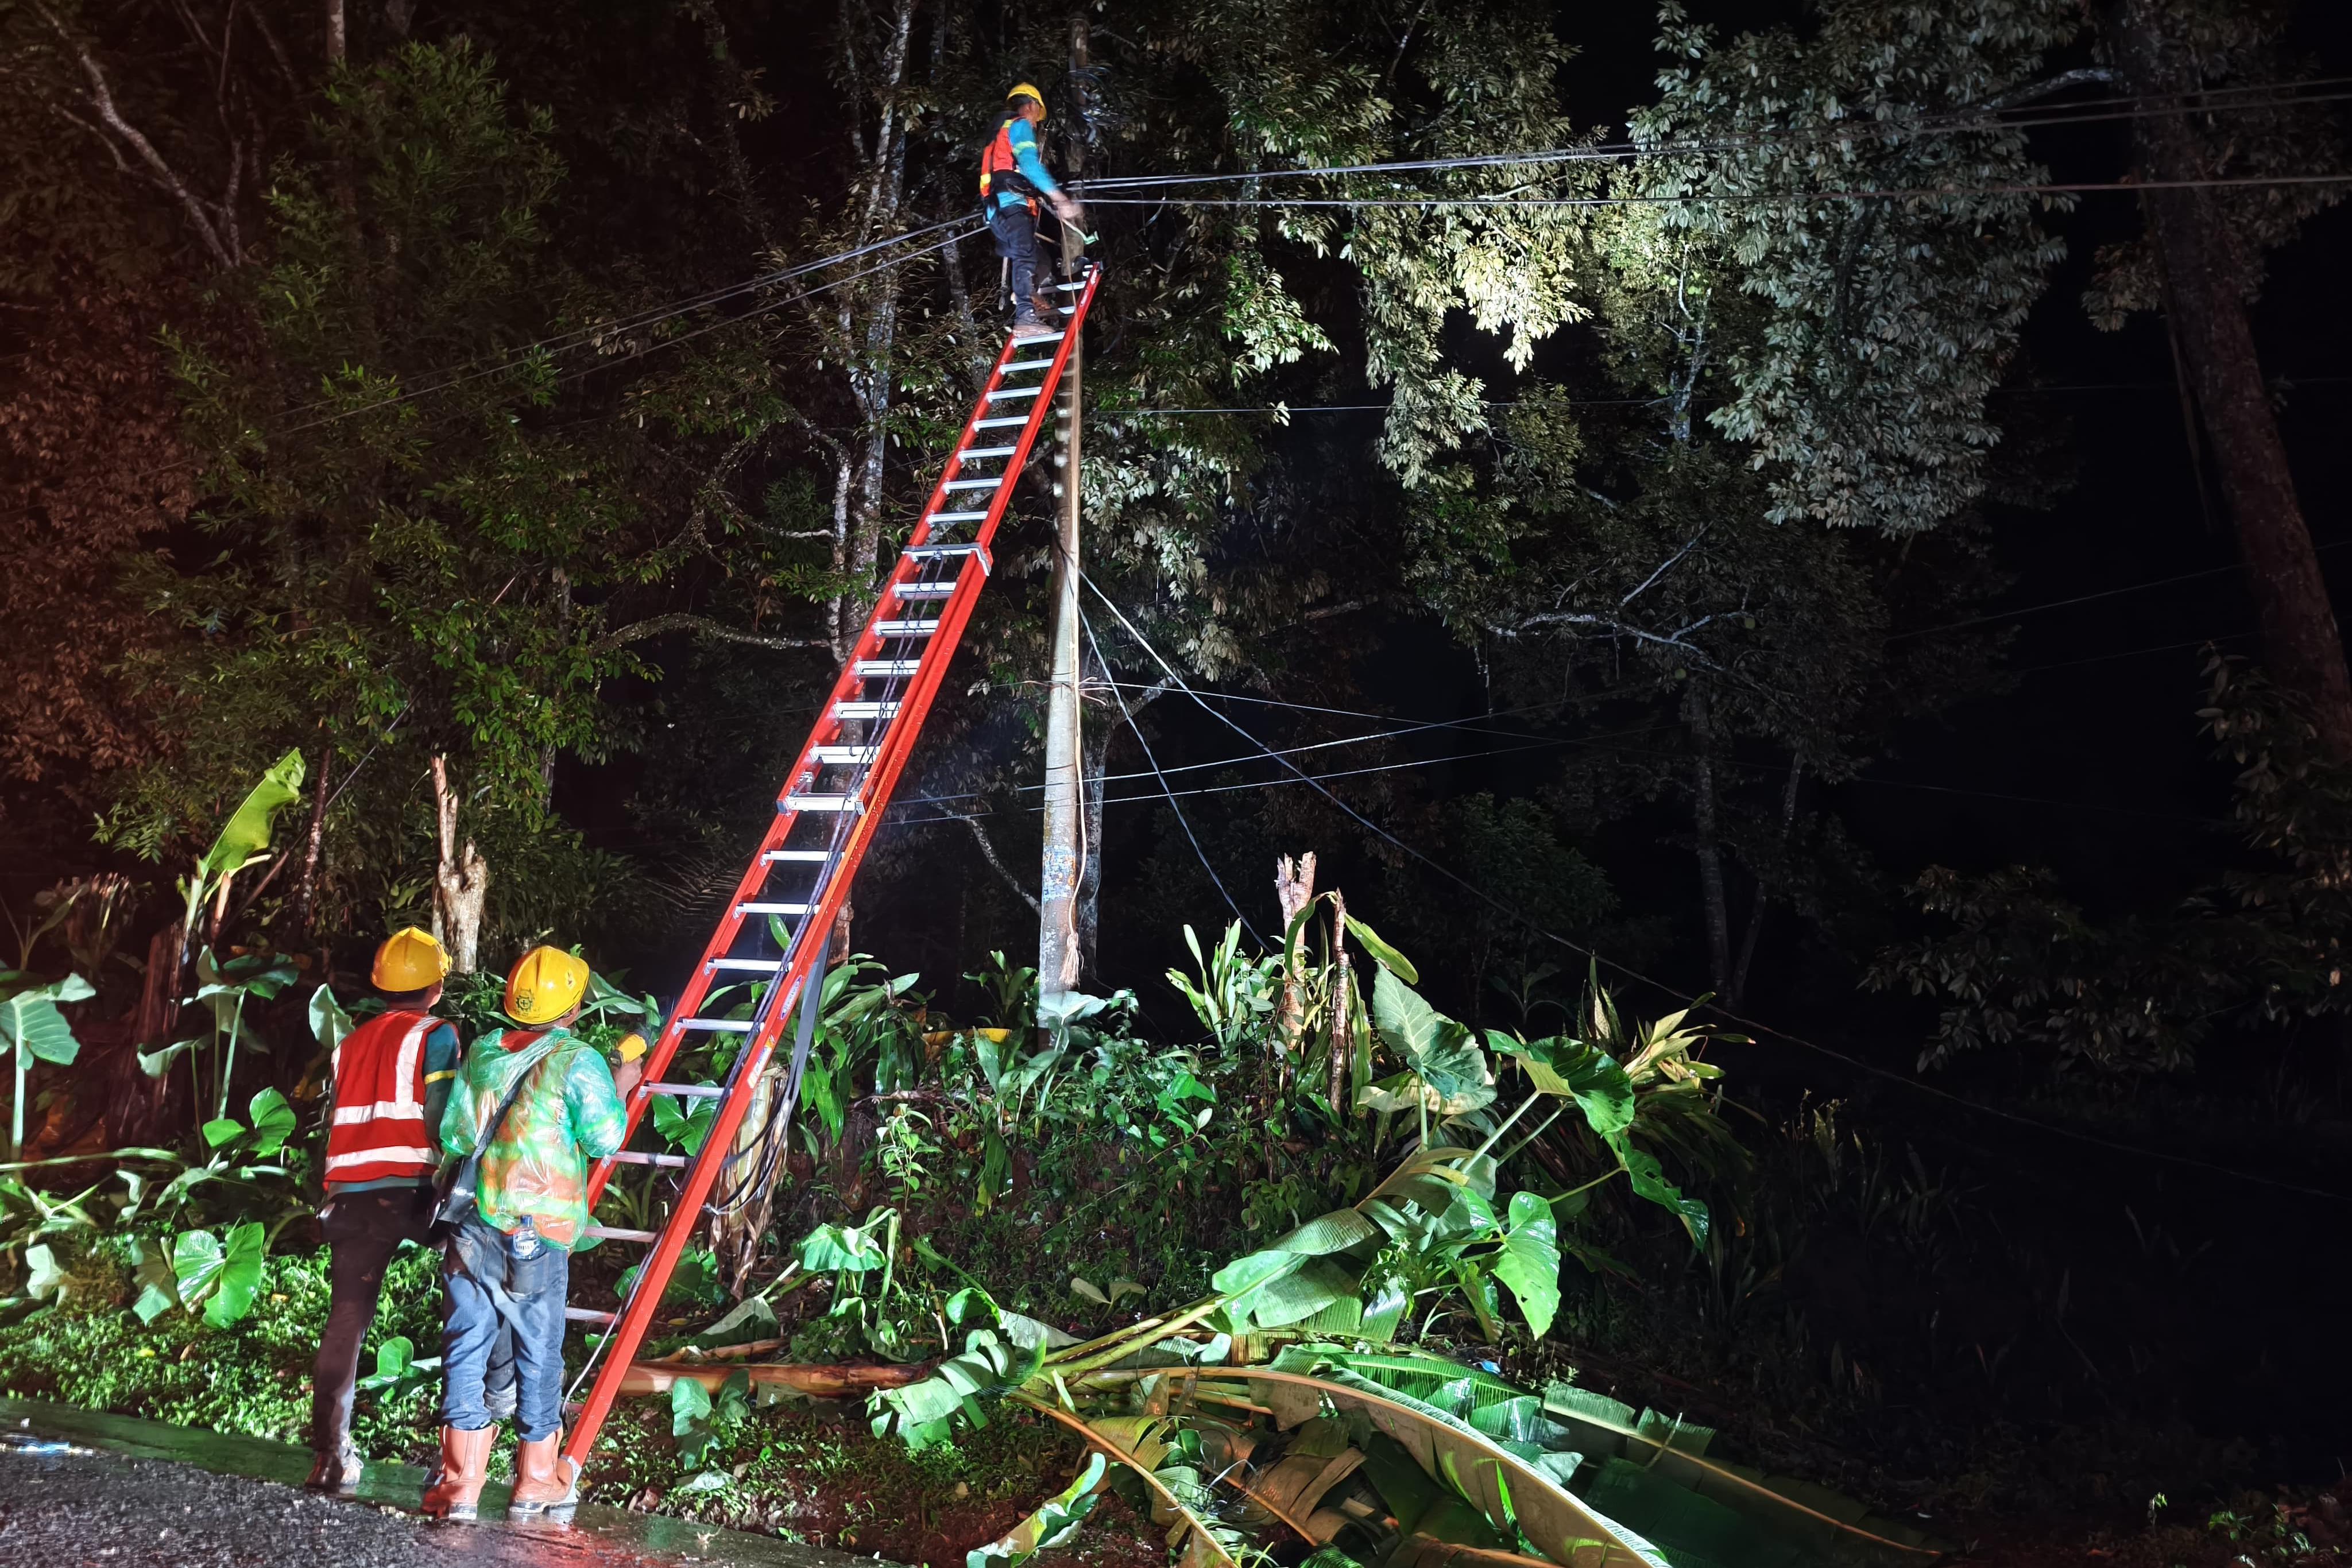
column 1182, row 820
column 1922, row 192
column 2160, row 1155
column 2128, row 106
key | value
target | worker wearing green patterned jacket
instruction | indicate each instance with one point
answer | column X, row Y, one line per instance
column 509, row 1260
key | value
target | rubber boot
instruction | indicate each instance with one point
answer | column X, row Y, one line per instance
column 465, row 1461
column 337, row 1471
column 545, row 1481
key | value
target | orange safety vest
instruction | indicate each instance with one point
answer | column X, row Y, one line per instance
column 999, row 165
column 379, row 1130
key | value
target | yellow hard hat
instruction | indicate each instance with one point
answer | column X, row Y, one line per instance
column 545, row 984
column 410, row 961
column 1028, row 90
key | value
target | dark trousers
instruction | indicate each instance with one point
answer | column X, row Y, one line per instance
column 1015, row 228
column 365, row 1228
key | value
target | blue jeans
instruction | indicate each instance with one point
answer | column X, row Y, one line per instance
column 488, row 1287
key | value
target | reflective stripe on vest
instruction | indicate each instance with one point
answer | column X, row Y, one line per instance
column 999, row 165
column 378, row 1131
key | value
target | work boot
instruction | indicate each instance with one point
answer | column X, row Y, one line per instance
column 1048, row 307
column 1032, row 329
column 456, row 1492
column 337, row 1471
column 545, row 1481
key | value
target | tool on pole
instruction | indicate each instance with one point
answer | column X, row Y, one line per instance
column 831, row 803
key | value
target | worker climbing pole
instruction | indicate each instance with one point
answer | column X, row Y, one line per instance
column 774, row 931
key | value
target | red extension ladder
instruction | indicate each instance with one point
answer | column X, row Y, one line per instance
column 826, row 817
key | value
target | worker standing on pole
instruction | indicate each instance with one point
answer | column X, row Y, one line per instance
column 1012, row 177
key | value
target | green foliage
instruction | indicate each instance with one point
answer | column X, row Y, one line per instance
column 1232, row 995
column 32, row 1028
column 700, row 1422
column 2016, row 963
column 221, row 1278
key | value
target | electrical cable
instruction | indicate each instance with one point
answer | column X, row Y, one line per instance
column 973, row 228
column 2109, row 109
column 1182, row 820
column 1871, row 1069
column 1920, row 193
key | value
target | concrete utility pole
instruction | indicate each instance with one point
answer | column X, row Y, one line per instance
column 1058, row 892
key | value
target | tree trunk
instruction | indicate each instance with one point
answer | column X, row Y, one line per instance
column 1342, row 1024
column 314, row 844
column 1709, row 848
column 2207, row 277
column 1094, row 752
column 1294, row 887
column 1737, row 988
column 461, row 882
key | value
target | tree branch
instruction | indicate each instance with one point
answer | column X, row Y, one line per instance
column 988, row 853
column 701, row 626
column 102, row 99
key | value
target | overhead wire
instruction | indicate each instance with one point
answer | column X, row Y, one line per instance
column 1872, row 1069
column 1918, row 193
column 2110, row 108
column 1182, row 820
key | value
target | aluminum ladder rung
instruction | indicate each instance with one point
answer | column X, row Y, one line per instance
column 904, row 628
column 954, row 517
column 746, row 966
column 768, row 909
column 974, row 485
column 806, row 857
column 666, row 1162
column 1049, row 337
column 689, row 1090
column 719, row 1026
column 1002, row 392
column 1030, row 364
column 863, row 710
column 970, row 452
column 1069, row 289
column 923, row 589
column 941, row 553
column 842, row 755
column 998, row 423
column 818, row 803
column 885, row 669
column 617, row 1233
column 588, row 1314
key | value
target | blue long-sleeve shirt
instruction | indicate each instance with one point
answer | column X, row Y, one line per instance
column 1021, row 136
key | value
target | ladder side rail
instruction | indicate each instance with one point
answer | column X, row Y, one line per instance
column 826, row 729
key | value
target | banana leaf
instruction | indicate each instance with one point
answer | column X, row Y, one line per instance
column 1473, row 1494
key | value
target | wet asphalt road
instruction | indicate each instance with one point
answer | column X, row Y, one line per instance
column 89, row 1510
column 80, row 1489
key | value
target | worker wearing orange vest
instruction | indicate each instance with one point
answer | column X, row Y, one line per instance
column 392, row 1077
column 1012, row 175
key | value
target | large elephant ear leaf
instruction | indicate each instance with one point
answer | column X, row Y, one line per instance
column 1528, row 1262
